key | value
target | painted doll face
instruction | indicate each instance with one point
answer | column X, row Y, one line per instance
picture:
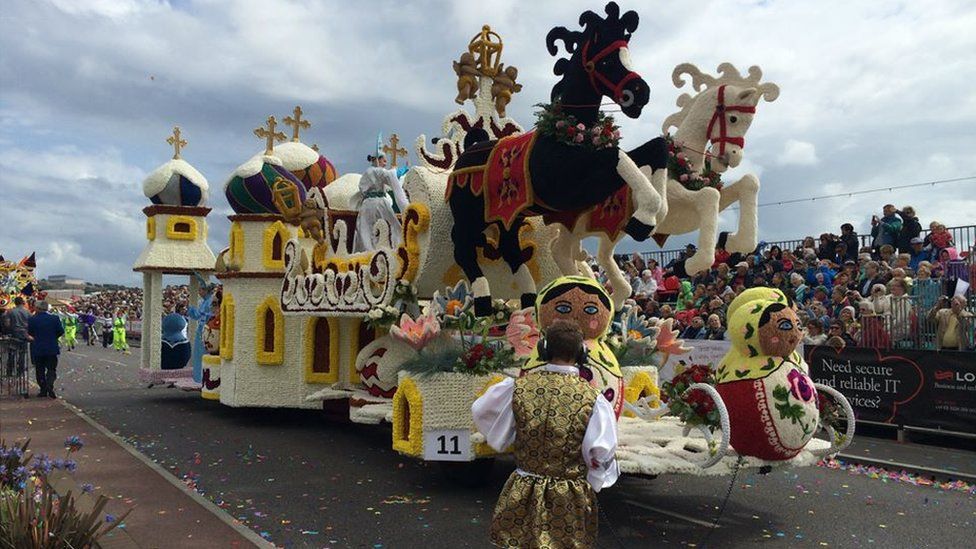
column 576, row 306
column 780, row 335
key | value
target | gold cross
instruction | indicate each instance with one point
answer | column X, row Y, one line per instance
column 394, row 150
column 176, row 142
column 269, row 135
column 315, row 147
column 296, row 123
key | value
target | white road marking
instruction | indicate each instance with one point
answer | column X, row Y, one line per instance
column 113, row 362
column 692, row 520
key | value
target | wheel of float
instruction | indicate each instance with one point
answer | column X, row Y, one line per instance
column 471, row 474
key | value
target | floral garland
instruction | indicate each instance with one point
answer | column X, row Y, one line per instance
column 555, row 123
column 695, row 407
column 679, row 169
column 448, row 337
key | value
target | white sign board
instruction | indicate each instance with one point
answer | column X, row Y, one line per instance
column 704, row 351
column 448, row 445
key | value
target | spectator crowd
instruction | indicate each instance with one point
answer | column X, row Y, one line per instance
column 129, row 302
column 904, row 290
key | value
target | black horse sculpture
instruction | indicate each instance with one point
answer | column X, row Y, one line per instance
column 501, row 182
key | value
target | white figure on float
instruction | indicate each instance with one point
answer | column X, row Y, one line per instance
column 373, row 202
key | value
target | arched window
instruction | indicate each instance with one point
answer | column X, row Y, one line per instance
column 275, row 237
column 227, row 326
column 269, row 337
column 321, row 350
column 236, row 244
column 365, row 334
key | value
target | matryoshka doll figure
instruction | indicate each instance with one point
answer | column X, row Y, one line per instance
column 584, row 302
column 772, row 402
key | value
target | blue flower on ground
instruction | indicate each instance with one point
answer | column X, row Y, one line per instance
column 70, row 465
column 58, row 464
column 42, row 464
column 87, row 488
column 109, row 518
column 73, row 443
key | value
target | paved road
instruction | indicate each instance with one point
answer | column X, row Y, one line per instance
column 302, row 481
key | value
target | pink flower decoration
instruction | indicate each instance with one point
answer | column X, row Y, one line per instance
column 667, row 339
column 616, row 134
column 561, row 124
column 578, row 138
column 580, row 127
column 800, row 386
column 684, row 177
column 416, row 333
column 596, row 140
column 522, row 333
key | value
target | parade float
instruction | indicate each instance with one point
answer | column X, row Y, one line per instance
column 17, row 279
column 412, row 333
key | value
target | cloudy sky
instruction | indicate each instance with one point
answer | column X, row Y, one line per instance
column 874, row 93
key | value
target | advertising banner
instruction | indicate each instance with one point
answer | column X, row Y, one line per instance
column 933, row 389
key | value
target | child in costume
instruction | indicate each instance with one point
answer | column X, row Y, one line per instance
column 202, row 314
column 70, row 322
column 118, row 333
column 564, row 436
column 373, row 202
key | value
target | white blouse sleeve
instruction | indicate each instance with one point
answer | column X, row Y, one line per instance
column 398, row 194
column 494, row 416
column 600, row 446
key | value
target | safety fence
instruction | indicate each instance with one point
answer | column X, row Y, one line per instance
column 963, row 237
column 14, row 366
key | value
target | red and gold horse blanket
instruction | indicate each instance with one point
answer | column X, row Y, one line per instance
column 504, row 178
column 608, row 217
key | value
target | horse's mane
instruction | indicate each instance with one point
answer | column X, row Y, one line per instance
column 625, row 24
column 701, row 82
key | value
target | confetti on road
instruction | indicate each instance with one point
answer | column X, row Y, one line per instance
column 885, row 475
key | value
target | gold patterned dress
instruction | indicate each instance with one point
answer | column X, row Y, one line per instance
column 564, row 441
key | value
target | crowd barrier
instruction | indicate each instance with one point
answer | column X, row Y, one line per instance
column 964, row 238
column 14, row 366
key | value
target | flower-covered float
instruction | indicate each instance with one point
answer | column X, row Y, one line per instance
column 411, row 334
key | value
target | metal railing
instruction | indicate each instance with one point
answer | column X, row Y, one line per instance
column 14, row 366
column 964, row 238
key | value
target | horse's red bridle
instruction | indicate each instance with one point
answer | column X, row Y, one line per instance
column 720, row 109
column 589, row 65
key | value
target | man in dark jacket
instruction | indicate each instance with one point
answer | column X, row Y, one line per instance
column 44, row 329
column 910, row 228
column 849, row 238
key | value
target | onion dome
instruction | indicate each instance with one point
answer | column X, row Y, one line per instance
column 310, row 167
column 176, row 183
column 251, row 189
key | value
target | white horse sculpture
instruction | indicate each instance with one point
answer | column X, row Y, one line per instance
column 717, row 117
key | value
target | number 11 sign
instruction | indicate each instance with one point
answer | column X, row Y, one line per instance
column 447, row 445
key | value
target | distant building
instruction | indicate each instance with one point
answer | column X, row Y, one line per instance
column 65, row 280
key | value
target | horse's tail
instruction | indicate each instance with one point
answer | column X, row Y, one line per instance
column 474, row 136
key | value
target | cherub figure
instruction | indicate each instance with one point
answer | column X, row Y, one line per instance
column 466, row 69
column 503, row 86
column 310, row 220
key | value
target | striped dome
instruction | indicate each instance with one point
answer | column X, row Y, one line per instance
column 313, row 169
column 319, row 174
column 250, row 189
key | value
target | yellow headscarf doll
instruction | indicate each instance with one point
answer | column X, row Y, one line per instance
column 584, row 302
column 771, row 400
